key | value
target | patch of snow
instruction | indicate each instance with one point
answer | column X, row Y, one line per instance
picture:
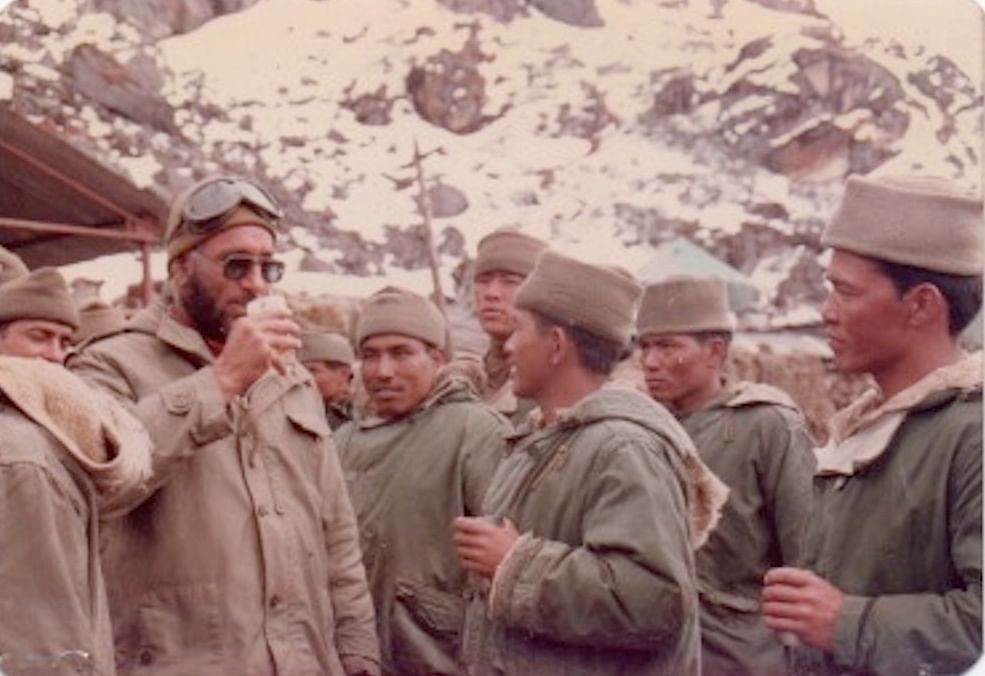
column 141, row 169
column 6, row 86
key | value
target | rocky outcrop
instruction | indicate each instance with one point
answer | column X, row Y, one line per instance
column 158, row 19
column 128, row 89
column 449, row 91
column 735, row 137
column 581, row 13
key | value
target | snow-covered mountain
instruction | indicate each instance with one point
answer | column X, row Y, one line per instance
column 606, row 126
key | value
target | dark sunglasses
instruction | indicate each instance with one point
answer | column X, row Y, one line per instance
column 204, row 208
column 236, row 266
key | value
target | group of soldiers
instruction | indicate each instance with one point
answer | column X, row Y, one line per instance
column 208, row 489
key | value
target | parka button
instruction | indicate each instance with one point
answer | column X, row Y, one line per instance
column 145, row 657
column 274, row 601
column 262, row 511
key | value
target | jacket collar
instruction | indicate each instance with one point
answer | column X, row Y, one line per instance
column 619, row 401
column 964, row 374
column 449, row 385
column 861, row 432
column 156, row 321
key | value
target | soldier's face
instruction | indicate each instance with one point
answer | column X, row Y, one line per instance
column 529, row 350
column 398, row 372
column 494, row 291
column 331, row 378
column 211, row 300
column 36, row 338
column 681, row 371
column 864, row 317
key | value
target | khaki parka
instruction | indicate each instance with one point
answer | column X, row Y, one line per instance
column 754, row 438
column 602, row 579
column 69, row 456
column 409, row 478
column 902, row 538
column 245, row 559
column 53, row 612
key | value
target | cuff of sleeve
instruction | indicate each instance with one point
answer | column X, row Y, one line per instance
column 199, row 394
column 511, row 599
column 359, row 665
column 850, row 643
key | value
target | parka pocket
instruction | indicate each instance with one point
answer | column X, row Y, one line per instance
column 175, row 627
column 309, row 420
column 425, row 627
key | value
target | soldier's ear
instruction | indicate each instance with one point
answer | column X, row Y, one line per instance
column 179, row 269
column 717, row 348
column 925, row 305
column 561, row 345
column 437, row 355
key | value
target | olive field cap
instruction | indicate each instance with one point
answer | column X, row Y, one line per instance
column 920, row 221
column 509, row 250
column 396, row 310
column 214, row 204
column 600, row 299
column 685, row 304
column 11, row 265
column 327, row 347
column 40, row 294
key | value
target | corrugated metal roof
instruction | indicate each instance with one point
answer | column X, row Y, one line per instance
column 72, row 207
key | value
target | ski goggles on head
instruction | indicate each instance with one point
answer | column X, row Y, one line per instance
column 207, row 204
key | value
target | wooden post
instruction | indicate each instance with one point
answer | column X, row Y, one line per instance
column 424, row 204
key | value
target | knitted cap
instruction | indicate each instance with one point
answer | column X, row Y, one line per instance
column 684, row 304
column 330, row 347
column 396, row 310
column 179, row 239
column 11, row 265
column 40, row 294
column 509, row 250
column 96, row 319
column 924, row 222
column 601, row 300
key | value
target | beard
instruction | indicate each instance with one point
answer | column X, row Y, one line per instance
column 209, row 319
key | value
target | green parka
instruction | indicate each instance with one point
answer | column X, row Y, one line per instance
column 753, row 437
column 245, row 559
column 602, row 578
column 902, row 538
column 409, row 478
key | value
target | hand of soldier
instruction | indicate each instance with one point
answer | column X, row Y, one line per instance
column 799, row 602
column 255, row 343
column 482, row 544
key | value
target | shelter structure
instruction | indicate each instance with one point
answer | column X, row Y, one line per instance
column 58, row 205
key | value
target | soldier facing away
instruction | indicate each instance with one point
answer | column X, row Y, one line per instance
column 754, row 438
column 891, row 582
column 584, row 556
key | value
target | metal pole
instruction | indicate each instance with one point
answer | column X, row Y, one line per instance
column 146, row 284
column 134, row 235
